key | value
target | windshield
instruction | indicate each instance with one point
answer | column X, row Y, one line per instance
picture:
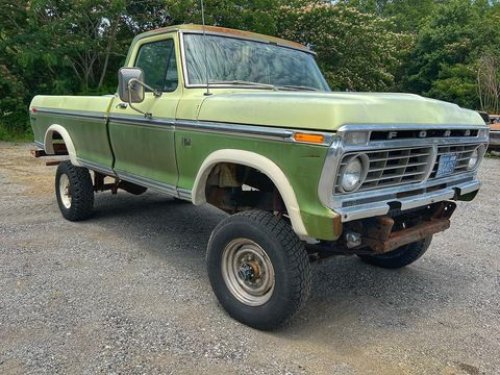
column 248, row 63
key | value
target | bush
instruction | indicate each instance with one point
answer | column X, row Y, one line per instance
column 9, row 134
column 13, row 110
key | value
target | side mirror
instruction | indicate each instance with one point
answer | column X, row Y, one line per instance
column 131, row 85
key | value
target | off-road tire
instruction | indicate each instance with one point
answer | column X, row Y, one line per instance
column 80, row 190
column 290, row 266
column 401, row 257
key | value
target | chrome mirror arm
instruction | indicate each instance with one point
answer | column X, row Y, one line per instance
column 156, row 94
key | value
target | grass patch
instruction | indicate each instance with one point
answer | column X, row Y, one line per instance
column 15, row 135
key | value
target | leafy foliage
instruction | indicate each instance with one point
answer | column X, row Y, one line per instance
column 258, row 15
column 445, row 59
column 446, row 49
column 406, row 14
column 357, row 51
column 488, row 81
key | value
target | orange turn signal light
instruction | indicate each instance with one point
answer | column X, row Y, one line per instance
column 309, row 138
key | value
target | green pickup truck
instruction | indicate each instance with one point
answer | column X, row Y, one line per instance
column 247, row 123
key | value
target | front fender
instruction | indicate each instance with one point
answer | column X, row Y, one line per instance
column 264, row 165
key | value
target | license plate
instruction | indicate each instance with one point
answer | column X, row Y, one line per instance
column 447, row 164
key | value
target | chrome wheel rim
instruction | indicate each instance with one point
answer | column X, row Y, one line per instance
column 64, row 191
column 248, row 272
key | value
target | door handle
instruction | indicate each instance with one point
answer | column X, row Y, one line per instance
column 122, row 105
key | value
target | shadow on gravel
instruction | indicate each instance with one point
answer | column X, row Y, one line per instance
column 109, row 206
column 165, row 219
column 350, row 298
column 346, row 293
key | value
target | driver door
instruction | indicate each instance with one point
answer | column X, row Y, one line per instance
column 144, row 147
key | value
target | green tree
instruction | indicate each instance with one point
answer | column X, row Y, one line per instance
column 65, row 47
column 12, row 106
column 356, row 51
column 13, row 89
column 86, row 38
column 446, row 49
column 407, row 15
column 444, row 62
column 258, row 16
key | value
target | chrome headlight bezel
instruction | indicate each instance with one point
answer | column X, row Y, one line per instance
column 476, row 158
column 347, row 186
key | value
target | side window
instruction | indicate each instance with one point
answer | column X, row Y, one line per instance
column 160, row 67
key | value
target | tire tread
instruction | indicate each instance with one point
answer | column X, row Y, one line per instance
column 401, row 257
column 298, row 271
column 82, row 192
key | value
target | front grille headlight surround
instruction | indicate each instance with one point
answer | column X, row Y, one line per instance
column 476, row 157
column 353, row 173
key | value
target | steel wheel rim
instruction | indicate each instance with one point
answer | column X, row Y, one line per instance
column 64, row 191
column 248, row 272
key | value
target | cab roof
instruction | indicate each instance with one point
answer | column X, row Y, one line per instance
column 227, row 32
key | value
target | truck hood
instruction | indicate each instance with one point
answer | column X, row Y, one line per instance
column 329, row 111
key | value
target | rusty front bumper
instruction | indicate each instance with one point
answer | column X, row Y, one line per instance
column 381, row 236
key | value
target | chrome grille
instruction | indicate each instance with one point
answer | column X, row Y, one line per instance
column 392, row 167
column 463, row 152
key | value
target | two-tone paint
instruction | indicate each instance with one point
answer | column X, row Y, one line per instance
column 190, row 132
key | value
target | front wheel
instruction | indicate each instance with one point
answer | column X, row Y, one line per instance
column 401, row 257
column 74, row 191
column 258, row 268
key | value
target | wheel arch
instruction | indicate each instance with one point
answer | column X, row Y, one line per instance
column 64, row 134
column 260, row 163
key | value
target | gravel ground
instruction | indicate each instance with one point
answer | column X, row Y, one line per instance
column 127, row 292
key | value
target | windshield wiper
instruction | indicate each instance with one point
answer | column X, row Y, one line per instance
column 297, row 88
column 244, row 83
column 264, row 85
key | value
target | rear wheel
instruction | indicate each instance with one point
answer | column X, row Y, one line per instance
column 258, row 268
column 74, row 191
column 400, row 257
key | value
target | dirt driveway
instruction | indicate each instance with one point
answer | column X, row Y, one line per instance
column 127, row 292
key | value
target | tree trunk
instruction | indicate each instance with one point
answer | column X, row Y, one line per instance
column 111, row 40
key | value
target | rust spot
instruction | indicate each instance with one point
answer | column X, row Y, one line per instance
column 51, row 163
column 232, row 32
column 337, row 225
column 382, row 238
column 38, row 153
column 407, row 236
column 60, row 149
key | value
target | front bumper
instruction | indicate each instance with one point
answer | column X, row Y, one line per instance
column 380, row 203
column 373, row 202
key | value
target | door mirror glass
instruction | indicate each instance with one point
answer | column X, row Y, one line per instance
column 131, row 85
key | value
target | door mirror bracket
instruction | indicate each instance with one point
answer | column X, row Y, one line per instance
column 131, row 88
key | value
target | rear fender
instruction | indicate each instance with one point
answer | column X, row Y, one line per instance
column 49, row 142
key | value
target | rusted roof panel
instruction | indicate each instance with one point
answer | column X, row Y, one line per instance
column 228, row 32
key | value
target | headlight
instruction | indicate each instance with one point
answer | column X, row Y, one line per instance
column 354, row 173
column 475, row 158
